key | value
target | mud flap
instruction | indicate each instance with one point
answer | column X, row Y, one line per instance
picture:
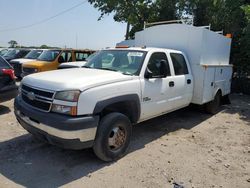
column 225, row 100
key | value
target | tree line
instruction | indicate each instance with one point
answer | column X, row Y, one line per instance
column 230, row 16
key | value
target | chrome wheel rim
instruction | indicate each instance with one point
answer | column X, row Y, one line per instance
column 117, row 138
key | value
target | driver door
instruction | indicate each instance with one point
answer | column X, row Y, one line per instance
column 156, row 90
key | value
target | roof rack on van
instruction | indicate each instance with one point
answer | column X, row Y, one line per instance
column 188, row 21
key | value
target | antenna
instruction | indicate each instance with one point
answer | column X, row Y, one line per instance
column 76, row 40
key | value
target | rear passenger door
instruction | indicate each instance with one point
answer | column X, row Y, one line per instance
column 182, row 81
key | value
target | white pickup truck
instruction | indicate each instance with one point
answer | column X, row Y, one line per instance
column 97, row 105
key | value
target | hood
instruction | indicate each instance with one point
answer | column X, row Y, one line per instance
column 74, row 79
column 21, row 60
column 36, row 64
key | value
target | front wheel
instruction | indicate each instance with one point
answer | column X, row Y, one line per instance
column 112, row 137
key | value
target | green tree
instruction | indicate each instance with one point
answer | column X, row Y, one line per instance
column 229, row 16
column 137, row 12
column 12, row 43
column 243, row 65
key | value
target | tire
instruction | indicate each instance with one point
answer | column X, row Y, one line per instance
column 112, row 137
column 213, row 106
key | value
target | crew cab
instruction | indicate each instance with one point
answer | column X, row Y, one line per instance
column 97, row 105
column 51, row 59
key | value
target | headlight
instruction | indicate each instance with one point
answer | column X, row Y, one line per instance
column 69, row 110
column 71, row 96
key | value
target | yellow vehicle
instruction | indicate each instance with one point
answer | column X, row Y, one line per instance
column 51, row 59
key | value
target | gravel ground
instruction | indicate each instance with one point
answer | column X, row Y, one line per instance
column 187, row 147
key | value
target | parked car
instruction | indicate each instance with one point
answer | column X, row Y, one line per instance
column 51, row 59
column 15, row 53
column 3, row 51
column 17, row 63
column 8, row 88
column 96, row 106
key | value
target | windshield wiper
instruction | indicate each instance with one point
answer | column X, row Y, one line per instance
column 127, row 73
column 88, row 67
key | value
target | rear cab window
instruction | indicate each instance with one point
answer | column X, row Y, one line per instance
column 179, row 64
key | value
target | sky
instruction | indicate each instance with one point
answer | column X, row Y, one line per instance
column 77, row 28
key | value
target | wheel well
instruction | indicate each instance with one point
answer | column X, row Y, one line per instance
column 126, row 107
column 219, row 91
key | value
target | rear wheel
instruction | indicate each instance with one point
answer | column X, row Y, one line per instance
column 213, row 106
column 112, row 137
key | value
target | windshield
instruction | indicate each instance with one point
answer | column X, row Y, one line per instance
column 49, row 55
column 11, row 53
column 124, row 61
column 91, row 56
column 34, row 54
column 4, row 64
column 4, row 51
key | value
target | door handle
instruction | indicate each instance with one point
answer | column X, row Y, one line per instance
column 171, row 84
column 189, row 81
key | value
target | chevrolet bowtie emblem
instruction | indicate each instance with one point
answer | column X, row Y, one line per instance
column 31, row 96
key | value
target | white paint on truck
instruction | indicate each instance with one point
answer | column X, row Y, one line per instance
column 202, row 47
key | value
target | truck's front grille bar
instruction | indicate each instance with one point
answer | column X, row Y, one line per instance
column 37, row 98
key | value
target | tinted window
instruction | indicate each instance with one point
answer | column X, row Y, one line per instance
column 3, row 64
column 156, row 67
column 179, row 63
column 22, row 53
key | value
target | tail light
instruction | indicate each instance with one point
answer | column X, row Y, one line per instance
column 9, row 72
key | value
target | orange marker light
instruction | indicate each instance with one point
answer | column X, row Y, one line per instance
column 122, row 46
column 229, row 35
column 73, row 111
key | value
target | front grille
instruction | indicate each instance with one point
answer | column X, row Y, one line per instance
column 17, row 68
column 37, row 104
column 29, row 70
column 47, row 94
column 37, row 98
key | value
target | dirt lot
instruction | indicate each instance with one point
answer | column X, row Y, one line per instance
column 188, row 147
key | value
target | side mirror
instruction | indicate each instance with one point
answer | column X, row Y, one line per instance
column 148, row 74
